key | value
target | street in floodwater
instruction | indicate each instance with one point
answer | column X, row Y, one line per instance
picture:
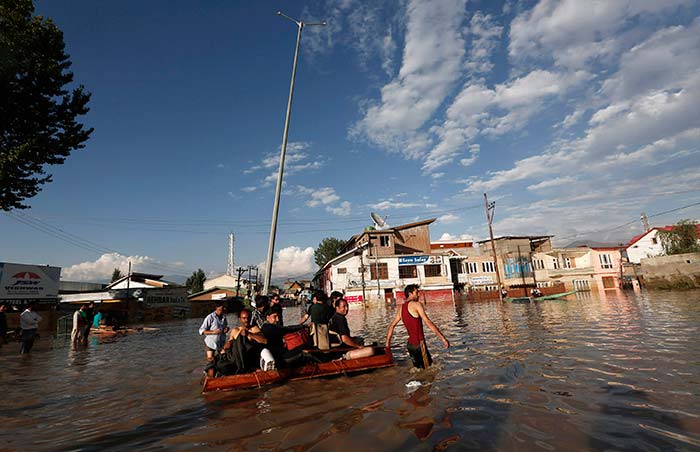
column 620, row 372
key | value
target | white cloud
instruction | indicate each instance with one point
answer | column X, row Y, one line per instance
column 485, row 35
column 573, row 32
column 249, row 189
column 447, row 237
column 102, row 268
column 448, row 218
column 391, row 204
column 549, row 183
column 342, row 210
column 293, row 261
column 432, row 57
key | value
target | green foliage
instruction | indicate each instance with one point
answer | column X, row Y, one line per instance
column 195, row 283
column 116, row 274
column 38, row 113
column 683, row 238
column 329, row 248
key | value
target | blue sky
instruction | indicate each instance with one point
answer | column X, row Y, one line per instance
column 574, row 116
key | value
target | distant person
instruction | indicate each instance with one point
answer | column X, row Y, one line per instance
column 97, row 320
column 536, row 293
column 320, row 314
column 29, row 323
column 258, row 316
column 89, row 318
column 275, row 304
column 79, row 322
column 214, row 329
column 504, row 293
column 3, row 325
column 412, row 314
column 335, row 296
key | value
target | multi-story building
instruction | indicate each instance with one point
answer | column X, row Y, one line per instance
column 579, row 268
column 376, row 265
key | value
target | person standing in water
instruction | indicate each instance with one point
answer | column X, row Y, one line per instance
column 413, row 315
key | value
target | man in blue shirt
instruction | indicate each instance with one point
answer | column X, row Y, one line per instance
column 214, row 329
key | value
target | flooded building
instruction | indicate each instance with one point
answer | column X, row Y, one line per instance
column 377, row 264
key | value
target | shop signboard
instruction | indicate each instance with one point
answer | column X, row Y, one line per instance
column 420, row 260
column 21, row 283
column 481, row 280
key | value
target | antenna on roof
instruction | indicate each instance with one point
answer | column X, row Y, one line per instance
column 379, row 222
column 645, row 221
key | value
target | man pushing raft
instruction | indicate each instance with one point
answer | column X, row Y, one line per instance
column 413, row 315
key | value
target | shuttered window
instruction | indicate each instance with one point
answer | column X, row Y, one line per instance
column 379, row 271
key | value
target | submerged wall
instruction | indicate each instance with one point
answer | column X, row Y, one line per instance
column 681, row 271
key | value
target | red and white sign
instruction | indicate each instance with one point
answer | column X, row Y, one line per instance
column 28, row 282
column 353, row 298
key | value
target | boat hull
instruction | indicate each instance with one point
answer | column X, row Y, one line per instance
column 382, row 358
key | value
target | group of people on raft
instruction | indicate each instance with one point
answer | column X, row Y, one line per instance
column 262, row 341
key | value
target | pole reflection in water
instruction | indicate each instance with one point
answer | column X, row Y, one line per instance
column 612, row 371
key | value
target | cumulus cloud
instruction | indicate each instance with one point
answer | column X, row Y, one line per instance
column 391, row 204
column 102, row 268
column 447, row 237
column 292, row 261
column 432, row 59
column 344, row 209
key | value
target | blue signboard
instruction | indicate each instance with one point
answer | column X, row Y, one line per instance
column 413, row 260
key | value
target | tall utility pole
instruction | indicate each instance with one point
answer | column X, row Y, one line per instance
column 489, row 217
column 240, row 271
column 283, row 152
column 230, row 266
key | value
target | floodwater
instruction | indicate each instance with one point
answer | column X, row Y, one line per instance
column 613, row 372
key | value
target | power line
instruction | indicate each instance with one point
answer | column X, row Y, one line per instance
column 80, row 242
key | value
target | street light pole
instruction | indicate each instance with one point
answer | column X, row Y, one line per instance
column 283, row 152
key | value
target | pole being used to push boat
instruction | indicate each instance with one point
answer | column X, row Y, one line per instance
column 283, row 152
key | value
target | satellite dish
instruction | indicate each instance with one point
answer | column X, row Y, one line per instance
column 378, row 221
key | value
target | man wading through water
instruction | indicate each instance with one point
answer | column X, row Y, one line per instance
column 413, row 315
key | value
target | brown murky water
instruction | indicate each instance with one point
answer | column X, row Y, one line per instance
column 621, row 372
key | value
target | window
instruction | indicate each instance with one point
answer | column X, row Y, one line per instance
column 608, row 282
column 384, row 240
column 555, row 264
column 538, row 264
column 654, row 241
column 432, row 270
column 408, row 271
column 569, row 262
column 342, row 271
column 581, row 284
column 487, row 267
column 605, row 261
column 379, row 271
column 472, row 267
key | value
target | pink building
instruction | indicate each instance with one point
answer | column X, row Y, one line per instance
column 607, row 265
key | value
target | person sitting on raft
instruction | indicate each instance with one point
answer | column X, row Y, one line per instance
column 339, row 325
column 536, row 292
column 274, row 333
column 242, row 351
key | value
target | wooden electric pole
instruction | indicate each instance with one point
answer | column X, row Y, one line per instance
column 489, row 217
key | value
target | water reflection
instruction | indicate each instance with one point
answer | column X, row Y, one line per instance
column 600, row 371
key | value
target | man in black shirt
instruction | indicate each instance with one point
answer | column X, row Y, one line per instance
column 339, row 324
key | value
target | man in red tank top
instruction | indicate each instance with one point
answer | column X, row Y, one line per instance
column 413, row 315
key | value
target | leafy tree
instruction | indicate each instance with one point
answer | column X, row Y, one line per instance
column 681, row 239
column 195, row 283
column 116, row 274
column 38, row 113
column 329, row 248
